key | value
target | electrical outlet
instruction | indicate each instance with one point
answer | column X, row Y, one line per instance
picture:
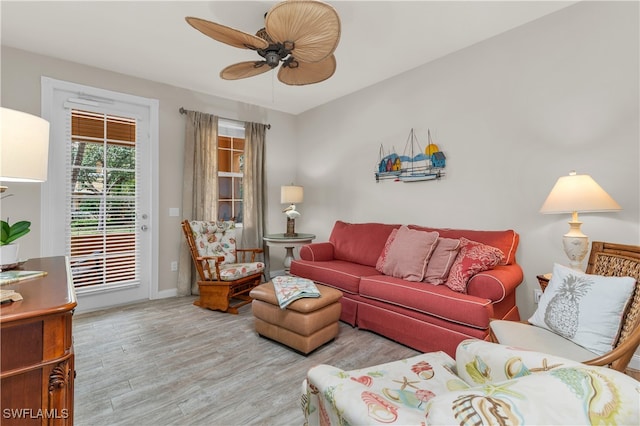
column 174, row 266
column 537, row 294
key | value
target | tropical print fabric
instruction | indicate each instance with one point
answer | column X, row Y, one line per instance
column 393, row 393
column 218, row 238
column 487, row 384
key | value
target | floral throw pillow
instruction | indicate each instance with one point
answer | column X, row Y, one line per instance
column 586, row 309
column 473, row 257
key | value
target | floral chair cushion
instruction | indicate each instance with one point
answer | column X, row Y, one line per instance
column 218, row 238
column 234, row 271
column 215, row 238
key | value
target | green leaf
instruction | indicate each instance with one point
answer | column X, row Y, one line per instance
column 20, row 227
column 13, row 232
column 5, row 232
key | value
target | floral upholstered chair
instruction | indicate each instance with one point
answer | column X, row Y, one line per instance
column 487, row 383
column 224, row 271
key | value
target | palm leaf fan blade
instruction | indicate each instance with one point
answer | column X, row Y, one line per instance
column 244, row 70
column 227, row 35
column 308, row 73
column 313, row 27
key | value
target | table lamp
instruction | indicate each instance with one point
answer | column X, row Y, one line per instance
column 291, row 194
column 24, row 155
column 25, row 147
column 572, row 194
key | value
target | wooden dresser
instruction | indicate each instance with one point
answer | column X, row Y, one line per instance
column 36, row 348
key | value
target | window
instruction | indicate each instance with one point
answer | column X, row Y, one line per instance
column 230, row 170
column 102, row 240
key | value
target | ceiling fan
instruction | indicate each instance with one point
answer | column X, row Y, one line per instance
column 300, row 34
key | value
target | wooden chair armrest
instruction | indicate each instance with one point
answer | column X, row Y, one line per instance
column 245, row 252
column 217, row 259
column 623, row 352
column 207, row 265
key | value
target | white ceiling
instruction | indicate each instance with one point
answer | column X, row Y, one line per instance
column 151, row 40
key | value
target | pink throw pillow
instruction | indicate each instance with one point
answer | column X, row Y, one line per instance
column 474, row 257
column 385, row 251
column 409, row 253
column 441, row 261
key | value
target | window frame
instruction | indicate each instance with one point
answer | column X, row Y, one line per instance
column 234, row 130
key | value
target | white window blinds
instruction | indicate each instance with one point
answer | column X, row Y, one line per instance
column 102, row 196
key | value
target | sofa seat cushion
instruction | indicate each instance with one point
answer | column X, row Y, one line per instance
column 438, row 301
column 507, row 241
column 360, row 243
column 392, row 393
column 340, row 274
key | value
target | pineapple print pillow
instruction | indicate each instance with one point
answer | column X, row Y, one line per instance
column 586, row 309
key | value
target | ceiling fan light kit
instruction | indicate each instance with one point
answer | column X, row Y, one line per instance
column 301, row 35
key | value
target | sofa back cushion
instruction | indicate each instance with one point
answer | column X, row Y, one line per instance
column 506, row 241
column 359, row 242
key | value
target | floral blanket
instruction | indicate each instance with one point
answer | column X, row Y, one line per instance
column 289, row 289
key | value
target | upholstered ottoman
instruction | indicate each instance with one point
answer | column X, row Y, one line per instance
column 304, row 325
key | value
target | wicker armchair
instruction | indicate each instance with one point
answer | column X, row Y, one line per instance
column 607, row 259
column 224, row 271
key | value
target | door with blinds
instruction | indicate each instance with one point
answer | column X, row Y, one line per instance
column 100, row 184
column 103, row 238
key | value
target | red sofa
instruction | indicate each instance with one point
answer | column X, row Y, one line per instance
column 423, row 316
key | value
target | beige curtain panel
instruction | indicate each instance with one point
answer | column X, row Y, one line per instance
column 200, row 188
column 254, row 186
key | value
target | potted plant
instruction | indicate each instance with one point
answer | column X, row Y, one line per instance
column 10, row 233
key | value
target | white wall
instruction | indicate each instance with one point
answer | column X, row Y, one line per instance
column 21, row 72
column 512, row 114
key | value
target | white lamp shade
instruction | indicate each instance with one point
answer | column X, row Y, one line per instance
column 291, row 194
column 578, row 193
column 25, row 147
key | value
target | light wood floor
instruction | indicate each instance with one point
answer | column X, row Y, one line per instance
column 168, row 362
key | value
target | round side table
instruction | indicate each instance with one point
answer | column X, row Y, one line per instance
column 280, row 240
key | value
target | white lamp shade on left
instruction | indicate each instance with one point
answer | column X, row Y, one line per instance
column 25, row 147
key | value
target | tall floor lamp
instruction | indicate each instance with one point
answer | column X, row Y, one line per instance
column 572, row 194
column 292, row 195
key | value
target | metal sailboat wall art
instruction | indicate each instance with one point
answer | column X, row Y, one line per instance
column 414, row 165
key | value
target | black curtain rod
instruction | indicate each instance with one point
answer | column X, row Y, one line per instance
column 184, row 111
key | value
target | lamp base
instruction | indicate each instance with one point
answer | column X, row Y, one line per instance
column 576, row 245
column 291, row 228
